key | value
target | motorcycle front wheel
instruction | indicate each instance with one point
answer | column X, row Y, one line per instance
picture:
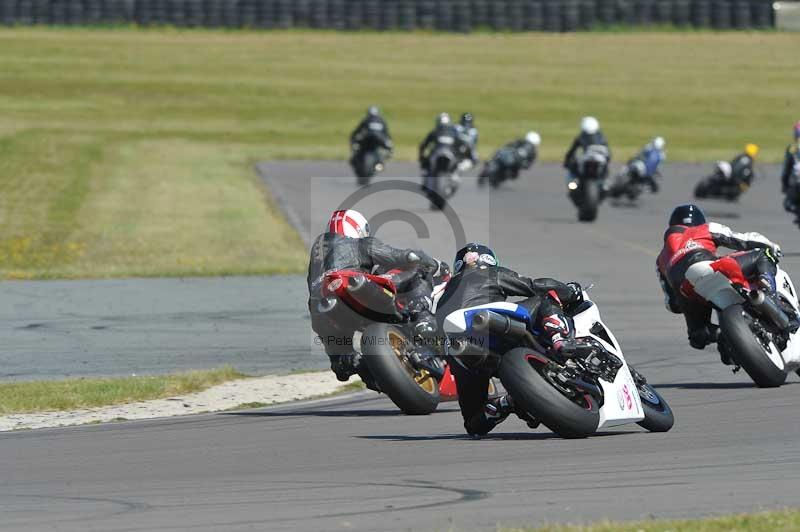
column 658, row 416
column 385, row 351
column 587, row 210
column 532, row 393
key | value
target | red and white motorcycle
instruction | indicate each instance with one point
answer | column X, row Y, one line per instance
column 755, row 331
column 411, row 372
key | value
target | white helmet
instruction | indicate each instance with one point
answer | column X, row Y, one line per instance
column 533, row 138
column 659, row 143
column 348, row 223
column 443, row 119
column 590, row 125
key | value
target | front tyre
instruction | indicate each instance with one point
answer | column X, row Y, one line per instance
column 384, row 348
column 587, row 211
column 519, row 372
column 658, row 416
column 763, row 363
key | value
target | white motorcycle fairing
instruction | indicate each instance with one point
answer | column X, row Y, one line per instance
column 621, row 405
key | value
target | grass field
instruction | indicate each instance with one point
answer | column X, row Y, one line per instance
column 71, row 394
column 127, row 152
column 776, row 521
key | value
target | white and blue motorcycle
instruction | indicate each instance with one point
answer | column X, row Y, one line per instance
column 574, row 395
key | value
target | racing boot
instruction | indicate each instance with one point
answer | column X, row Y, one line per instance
column 504, row 405
column 346, row 365
column 558, row 330
column 425, row 327
column 497, row 409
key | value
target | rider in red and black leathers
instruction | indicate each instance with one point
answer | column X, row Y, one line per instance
column 478, row 280
column 689, row 239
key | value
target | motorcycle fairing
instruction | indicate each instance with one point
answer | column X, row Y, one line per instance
column 622, row 403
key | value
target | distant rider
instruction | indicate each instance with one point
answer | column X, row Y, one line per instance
column 740, row 169
column 347, row 245
column 477, row 280
column 372, row 131
column 791, row 165
column 690, row 253
column 651, row 156
column 515, row 156
column 444, row 132
column 590, row 135
column 468, row 136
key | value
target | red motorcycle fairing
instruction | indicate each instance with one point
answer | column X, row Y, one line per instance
column 336, row 284
column 728, row 267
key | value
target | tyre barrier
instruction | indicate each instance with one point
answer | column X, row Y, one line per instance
column 407, row 15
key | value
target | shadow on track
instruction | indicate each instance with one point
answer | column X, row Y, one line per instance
column 711, row 385
column 511, row 436
column 321, row 413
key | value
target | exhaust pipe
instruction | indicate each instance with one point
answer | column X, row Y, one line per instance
column 467, row 352
column 327, row 305
column 768, row 308
column 487, row 321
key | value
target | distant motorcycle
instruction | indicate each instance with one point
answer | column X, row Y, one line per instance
column 791, row 201
column 585, row 190
column 721, row 184
column 442, row 178
column 574, row 395
column 632, row 181
column 370, row 155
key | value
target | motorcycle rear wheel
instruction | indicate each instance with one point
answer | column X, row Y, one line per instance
column 533, row 394
column 748, row 351
column 384, row 349
column 701, row 190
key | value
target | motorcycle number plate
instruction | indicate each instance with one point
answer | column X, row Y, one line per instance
column 445, row 140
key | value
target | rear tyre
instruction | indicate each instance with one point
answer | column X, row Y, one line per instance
column 748, row 352
column 587, row 211
column 534, row 395
column 658, row 416
column 701, row 190
column 415, row 392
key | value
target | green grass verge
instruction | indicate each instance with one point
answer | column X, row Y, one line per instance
column 776, row 521
column 71, row 394
column 129, row 153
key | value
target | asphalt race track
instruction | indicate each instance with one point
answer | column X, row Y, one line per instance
column 354, row 463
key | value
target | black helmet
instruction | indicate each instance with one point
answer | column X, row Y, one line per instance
column 373, row 111
column 688, row 214
column 467, row 119
column 474, row 255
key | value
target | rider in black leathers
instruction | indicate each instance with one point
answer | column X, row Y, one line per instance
column 468, row 136
column 590, row 135
column 444, row 129
column 515, row 156
column 742, row 165
column 790, row 160
column 340, row 248
column 371, row 130
column 478, row 280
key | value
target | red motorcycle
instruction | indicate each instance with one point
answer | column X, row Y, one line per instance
column 410, row 371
